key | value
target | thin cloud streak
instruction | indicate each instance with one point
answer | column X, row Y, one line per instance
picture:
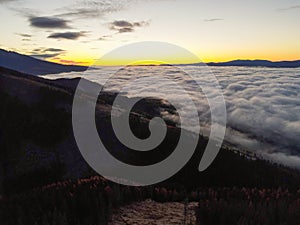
column 24, row 35
column 6, row 1
column 86, row 9
column 45, row 56
column 290, row 8
column 213, row 20
column 68, row 35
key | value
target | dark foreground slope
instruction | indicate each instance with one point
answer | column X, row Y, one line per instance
column 42, row 172
column 30, row 65
column 38, row 146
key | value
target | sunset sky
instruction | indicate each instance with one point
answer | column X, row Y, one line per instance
column 77, row 32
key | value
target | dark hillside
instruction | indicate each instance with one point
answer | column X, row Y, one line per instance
column 33, row 66
column 38, row 147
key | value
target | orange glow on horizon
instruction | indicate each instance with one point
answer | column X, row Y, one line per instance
column 74, row 62
column 122, row 62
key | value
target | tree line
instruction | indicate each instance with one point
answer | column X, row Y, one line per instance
column 248, row 206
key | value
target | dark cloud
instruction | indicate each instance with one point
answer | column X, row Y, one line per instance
column 123, row 26
column 126, row 30
column 141, row 24
column 213, row 20
column 38, row 50
column 53, row 50
column 121, row 23
column 43, row 50
column 290, row 8
column 67, row 35
column 48, row 22
column 44, row 53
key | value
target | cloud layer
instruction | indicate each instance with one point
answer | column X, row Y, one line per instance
column 263, row 104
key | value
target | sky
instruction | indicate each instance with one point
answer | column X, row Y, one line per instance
column 81, row 31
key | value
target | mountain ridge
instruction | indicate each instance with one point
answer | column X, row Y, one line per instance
column 257, row 63
column 30, row 65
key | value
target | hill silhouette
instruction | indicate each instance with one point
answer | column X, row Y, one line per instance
column 36, row 140
column 259, row 63
column 45, row 180
column 29, row 65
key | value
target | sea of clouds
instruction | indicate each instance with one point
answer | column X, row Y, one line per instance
column 263, row 104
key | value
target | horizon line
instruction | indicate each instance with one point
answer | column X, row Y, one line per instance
column 152, row 64
column 165, row 64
